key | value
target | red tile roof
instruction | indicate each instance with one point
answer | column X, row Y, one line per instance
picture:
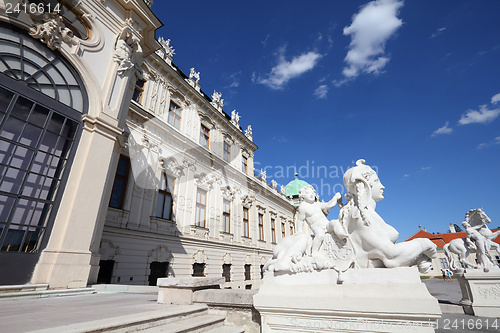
column 441, row 239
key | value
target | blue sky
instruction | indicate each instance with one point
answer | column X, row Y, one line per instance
column 413, row 87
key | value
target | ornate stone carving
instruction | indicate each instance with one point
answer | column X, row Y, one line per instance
column 205, row 180
column 227, row 192
column 52, row 31
column 261, row 209
column 170, row 164
column 128, row 51
column 193, row 75
column 167, row 51
column 283, row 190
column 263, row 174
column 249, row 133
column 161, row 254
column 108, row 250
column 199, row 257
column 226, row 237
column 248, row 200
column 235, row 119
column 217, row 101
column 274, row 184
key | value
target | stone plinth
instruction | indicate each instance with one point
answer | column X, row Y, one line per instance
column 180, row 290
column 369, row 300
column 480, row 292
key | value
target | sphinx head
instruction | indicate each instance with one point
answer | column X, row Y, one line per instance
column 363, row 181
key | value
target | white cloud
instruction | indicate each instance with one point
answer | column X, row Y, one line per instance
column 285, row 70
column 371, row 27
column 495, row 99
column 425, row 168
column 443, row 130
column 321, row 91
column 483, row 116
column 496, row 141
column 438, row 32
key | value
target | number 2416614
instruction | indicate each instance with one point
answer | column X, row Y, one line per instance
column 31, row 8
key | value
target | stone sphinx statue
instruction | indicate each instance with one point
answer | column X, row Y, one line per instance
column 373, row 240
column 360, row 238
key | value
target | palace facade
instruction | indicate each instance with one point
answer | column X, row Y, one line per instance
column 115, row 166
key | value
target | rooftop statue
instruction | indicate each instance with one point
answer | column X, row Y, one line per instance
column 479, row 240
column 374, row 240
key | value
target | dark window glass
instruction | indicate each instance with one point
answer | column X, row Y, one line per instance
column 120, row 183
column 226, row 272
column 248, row 275
column 158, row 270
column 198, row 269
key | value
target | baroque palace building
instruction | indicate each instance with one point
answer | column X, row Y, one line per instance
column 115, row 167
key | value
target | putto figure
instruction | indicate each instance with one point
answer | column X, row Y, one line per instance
column 373, row 240
column 311, row 212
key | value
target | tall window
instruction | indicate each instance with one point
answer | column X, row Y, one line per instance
column 248, row 275
column 201, row 207
column 174, row 115
column 120, row 183
column 291, row 229
column 164, row 202
column 226, row 272
column 273, row 231
column 246, row 230
column 283, row 234
column 138, row 91
column 198, row 269
column 261, row 227
column 204, row 136
column 244, row 164
column 158, row 270
column 227, row 151
column 226, row 216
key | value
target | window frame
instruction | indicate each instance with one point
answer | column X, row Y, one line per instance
column 226, row 272
column 248, row 272
column 244, row 164
column 246, row 227
column 226, row 155
column 200, row 206
column 124, row 178
column 273, row 230
column 165, row 193
column 261, row 226
column 283, row 229
column 139, row 91
column 173, row 115
column 204, row 136
column 226, row 216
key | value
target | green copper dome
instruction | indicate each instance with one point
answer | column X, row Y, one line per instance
column 293, row 187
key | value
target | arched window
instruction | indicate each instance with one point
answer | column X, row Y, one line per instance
column 41, row 104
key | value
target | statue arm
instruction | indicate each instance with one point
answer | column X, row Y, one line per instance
column 330, row 204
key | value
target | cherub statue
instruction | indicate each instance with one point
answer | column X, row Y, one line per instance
column 311, row 212
column 374, row 240
column 194, row 75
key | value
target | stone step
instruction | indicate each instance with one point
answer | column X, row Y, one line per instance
column 134, row 323
column 9, row 295
column 22, row 288
column 226, row 329
column 196, row 324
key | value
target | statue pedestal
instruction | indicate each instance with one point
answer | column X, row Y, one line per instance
column 480, row 292
column 369, row 300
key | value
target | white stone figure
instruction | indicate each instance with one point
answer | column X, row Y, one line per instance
column 374, row 240
column 263, row 174
column 311, row 212
column 283, row 190
column 167, row 51
column 235, row 118
column 217, row 101
column 193, row 75
column 274, row 184
column 127, row 50
column 248, row 133
column 479, row 240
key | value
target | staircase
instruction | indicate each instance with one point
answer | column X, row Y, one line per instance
column 38, row 291
column 185, row 318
